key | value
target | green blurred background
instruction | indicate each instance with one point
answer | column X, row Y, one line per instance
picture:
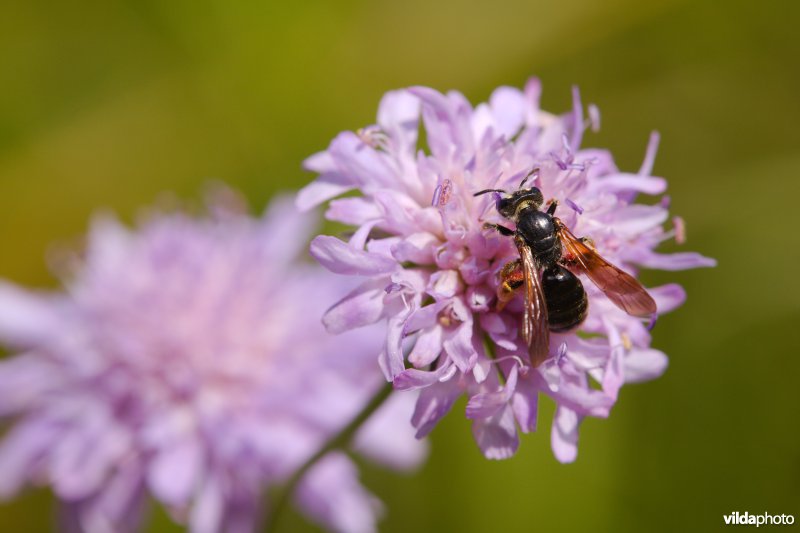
column 105, row 104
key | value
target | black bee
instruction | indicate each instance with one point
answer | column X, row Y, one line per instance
column 555, row 299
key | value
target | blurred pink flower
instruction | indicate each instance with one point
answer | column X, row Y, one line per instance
column 187, row 360
column 431, row 270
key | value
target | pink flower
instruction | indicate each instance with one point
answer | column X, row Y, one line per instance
column 430, row 268
column 186, row 360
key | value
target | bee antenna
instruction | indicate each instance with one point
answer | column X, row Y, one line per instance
column 489, row 190
column 531, row 173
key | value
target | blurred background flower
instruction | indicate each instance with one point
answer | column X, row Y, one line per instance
column 187, row 362
column 107, row 104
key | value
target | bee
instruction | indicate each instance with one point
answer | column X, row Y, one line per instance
column 555, row 299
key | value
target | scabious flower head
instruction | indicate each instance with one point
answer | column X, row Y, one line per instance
column 431, row 269
column 186, row 360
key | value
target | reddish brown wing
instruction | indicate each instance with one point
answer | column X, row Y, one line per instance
column 535, row 330
column 620, row 287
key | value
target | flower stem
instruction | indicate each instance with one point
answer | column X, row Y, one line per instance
column 339, row 441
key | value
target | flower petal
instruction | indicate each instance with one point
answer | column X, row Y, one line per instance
column 427, row 347
column 340, row 258
column 175, row 471
column 434, row 402
column 497, row 436
column 644, row 365
column 624, row 182
column 318, row 191
column 676, row 261
column 387, row 437
column 525, row 404
column 361, row 307
column 331, row 494
column 668, row 297
column 487, row 404
column 398, row 116
column 458, row 345
column 27, row 318
column 354, row 211
column 564, row 435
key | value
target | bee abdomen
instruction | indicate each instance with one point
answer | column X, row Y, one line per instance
column 565, row 298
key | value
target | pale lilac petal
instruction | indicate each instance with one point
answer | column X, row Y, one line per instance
column 628, row 182
column 416, row 248
column 24, row 379
column 119, row 508
column 398, row 116
column 26, row 317
column 577, row 120
column 413, row 379
column 175, row 471
column 388, row 437
column 668, row 297
column 650, row 154
column 644, row 365
column 427, row 347
column 208, row 510
column 354, row 211
column 525, row 405
column 497, row 436
column 614, row 374
column 341, row 258
column 322, row 163
column 458, row 345
column 319, row 191
column 446, row 122
column 81, row 461
column 434, row 402
column 362, row 164
column 108, row 241
column 21, row 448
column 391, row 358
column 532, row 93
column 487, row 404
column 564, row 435
column 636, row 219
column 331, row 494
column 676, row 261
column 508, row 110
column 444, row 284
column 361, row 307
column 283, row 218
column 121, row 503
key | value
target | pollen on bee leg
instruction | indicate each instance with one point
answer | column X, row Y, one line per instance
column 512, row 278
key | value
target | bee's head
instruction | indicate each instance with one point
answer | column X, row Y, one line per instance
column 509, row 206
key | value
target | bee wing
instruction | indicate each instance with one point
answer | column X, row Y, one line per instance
column 620, row 287
column 535, row 329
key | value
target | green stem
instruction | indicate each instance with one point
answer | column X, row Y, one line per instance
column 339, row 441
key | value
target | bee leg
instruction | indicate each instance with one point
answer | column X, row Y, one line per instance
column 512, row 278
column 551, row 210
column 501, row 229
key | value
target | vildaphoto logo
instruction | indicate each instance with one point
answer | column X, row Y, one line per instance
column 747, row 519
